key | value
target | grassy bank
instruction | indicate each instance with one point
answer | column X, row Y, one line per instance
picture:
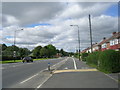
column 12, row 61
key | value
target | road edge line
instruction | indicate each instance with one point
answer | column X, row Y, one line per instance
column 111, row 78
column 75, row 66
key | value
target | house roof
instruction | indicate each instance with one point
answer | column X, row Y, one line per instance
column 116, row 35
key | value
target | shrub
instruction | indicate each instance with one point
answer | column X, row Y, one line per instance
column 4, row 58
column 109, row 61
column 84, row 56
column 76, row 55
column 93, row 58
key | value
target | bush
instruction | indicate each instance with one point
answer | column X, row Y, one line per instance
column 92, row 58
column 4, row 58
column 84, row 56
column 76, row 55
column 109, row 61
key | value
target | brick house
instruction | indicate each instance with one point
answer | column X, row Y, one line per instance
column 107, row 43
column 114, row 41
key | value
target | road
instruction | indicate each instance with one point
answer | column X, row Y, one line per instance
column 15, row 73
column 67, row 73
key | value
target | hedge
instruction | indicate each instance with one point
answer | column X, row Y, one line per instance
column 109, row 61
column 4, row 58
column 93, row 58
column 84, row 56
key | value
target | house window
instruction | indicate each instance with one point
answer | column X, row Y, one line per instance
column 119, row 40
column 104, row 45
column 112, row 42
column 96, row 47
column 116, row 41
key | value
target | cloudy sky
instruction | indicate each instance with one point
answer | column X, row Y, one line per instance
column 49, row 23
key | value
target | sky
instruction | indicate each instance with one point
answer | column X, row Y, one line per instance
column 49, row 23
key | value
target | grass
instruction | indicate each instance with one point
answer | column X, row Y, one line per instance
column 12, row 61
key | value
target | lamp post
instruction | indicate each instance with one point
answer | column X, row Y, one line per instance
column 14, row 52
column 78, row 39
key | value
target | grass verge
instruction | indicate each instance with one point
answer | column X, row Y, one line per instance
column 12, row 61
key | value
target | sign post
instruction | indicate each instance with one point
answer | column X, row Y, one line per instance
column 48, row 66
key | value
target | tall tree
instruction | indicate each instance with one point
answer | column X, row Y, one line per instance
column 44, row 52
column 24, row 52
column 64, row 53
column 51, row 50
column 36, row 51
column 3, row 47
column 10, row 49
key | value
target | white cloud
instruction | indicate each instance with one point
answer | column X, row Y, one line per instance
column 59, row 33
column 10, row 20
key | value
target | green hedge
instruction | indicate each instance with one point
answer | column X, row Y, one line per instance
column 109, row 61
column 4, row 58
column 93, row 58
column 76, row 55
column 84, row 56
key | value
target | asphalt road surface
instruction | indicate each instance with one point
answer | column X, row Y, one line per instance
column 67, row 72
column 16, row 73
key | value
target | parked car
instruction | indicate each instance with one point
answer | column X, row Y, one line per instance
column 27, row 59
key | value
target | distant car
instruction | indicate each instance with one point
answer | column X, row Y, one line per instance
column 27, row 59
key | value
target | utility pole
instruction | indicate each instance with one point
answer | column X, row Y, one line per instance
column 90, row 32
column 78, row 39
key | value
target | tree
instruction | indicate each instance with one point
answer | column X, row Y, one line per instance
column 64, row 53
column 3, row 47
column 44, row 52
column 24, row 52
column 51, row 50
column 10, row 49
column 36, row 51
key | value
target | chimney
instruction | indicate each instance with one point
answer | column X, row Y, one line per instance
column 104, row 38
column 113, row 33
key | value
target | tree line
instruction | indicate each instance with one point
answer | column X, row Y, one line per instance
column 47, row 51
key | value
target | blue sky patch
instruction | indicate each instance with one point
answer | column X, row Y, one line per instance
column 41, row 24
column 8, row 44
column 112, row 11
column 9, row 37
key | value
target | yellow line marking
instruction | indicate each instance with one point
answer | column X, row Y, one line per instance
column 73, row 70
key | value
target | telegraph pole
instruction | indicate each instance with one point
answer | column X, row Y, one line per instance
column 90, row 32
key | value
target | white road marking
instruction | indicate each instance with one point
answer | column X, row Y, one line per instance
column 111, row 78
column 65, row 68
column 58, row 63
column 2, row 68
column 16, row 65
column 38, row 74
column 43, row 82
column 75, row 66
column 28, row 79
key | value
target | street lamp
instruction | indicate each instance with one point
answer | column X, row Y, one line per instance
column 78, row 39
column 14, row 52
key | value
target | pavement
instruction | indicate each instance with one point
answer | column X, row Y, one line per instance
column 66, row 72
column 80, row 75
